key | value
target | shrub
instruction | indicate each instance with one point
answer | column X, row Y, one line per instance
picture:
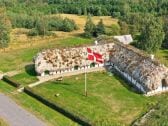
column 33, row 32
column 79, row 119
column 11, row 81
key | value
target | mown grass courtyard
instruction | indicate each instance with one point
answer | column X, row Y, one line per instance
column 110, row 100
column 26, row 76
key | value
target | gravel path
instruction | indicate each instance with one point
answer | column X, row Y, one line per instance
column 76, row 72
column 15, row 115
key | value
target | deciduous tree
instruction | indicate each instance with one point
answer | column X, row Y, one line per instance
column 152, row 35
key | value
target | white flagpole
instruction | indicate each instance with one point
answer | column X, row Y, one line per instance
column 85, row 81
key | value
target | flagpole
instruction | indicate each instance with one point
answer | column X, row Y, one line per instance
column 85, row 81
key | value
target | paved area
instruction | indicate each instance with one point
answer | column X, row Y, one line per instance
column 15, row 115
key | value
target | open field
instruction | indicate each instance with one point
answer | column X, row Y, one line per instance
column 110, row 100
column 3, row 123
column 51, row 117
column 19, row 39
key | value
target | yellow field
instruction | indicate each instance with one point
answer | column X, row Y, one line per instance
column 19, row 39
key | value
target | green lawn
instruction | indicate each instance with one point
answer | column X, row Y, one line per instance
column 17, row 59
column 27, row 76
column 110, row 101
column 51, row 117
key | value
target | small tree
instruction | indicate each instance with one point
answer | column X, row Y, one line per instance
column 41, row 26
column 152, row 35
column 124, row 29
column 89, row 27
column 100, row 29
column 5, row 27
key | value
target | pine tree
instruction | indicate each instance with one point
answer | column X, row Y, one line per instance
column 124, row 29
column 89, row 27
column 100, row 29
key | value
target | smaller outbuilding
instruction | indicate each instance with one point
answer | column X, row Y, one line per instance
column 125, row 39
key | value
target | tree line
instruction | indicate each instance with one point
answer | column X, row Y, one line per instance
column 146, row 20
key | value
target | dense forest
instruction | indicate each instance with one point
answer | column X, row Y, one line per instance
column 133, row 15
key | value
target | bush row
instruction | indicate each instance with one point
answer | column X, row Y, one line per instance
column 80, row 120
column 11, row 81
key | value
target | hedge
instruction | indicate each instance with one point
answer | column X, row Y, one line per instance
column 10, row 81
column 80, row 120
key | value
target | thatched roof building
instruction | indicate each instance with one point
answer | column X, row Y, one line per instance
column 140, row 67
column 144, row 72
column 61, row 59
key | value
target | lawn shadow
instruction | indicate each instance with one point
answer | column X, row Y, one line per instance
column 81, row 35
column 30, row 69
column 125, row 83
column 166, row 57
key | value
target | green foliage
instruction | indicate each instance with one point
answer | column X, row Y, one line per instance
column 44, row 26
column 100, row 29
column 113, row 30
column 68, row 25
column 152, row 35
column 124, row 29
column 41, row 26
column 165, row 42
column 5, row 27
column 160, row 114
column 89, row 27
column 92, row 30
column 11, row 81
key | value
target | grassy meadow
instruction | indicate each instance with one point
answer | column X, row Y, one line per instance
column 110, row 100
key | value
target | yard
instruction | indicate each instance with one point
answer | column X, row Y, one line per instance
column 110, row 100
column 27, row 76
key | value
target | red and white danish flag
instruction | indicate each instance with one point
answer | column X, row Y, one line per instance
column 94, row 56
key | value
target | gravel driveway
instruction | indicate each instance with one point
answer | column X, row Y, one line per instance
column 15, row 115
